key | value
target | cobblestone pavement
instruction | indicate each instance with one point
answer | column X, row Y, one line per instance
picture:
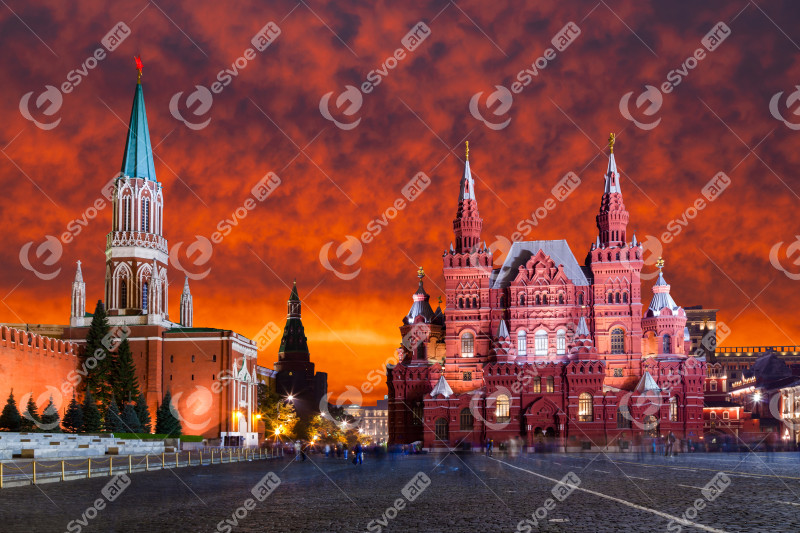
column 455, row 493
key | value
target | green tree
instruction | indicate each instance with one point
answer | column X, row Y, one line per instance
column 30, row 417
column 92, row 421
column 143, row 414
column 10, row 420
column 125, row 383
column 73, row 418
column 279, row 416
column 97, row 357
column 129, row 419
column 166, row 421
column 51, row 421
column 113, row 422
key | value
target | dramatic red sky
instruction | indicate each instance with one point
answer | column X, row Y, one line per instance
column 335, row 181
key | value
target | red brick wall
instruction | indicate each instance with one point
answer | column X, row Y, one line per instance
column 35, row 364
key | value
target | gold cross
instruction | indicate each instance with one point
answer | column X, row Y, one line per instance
column 611, row 139
column 467, row 150
column 660, row 263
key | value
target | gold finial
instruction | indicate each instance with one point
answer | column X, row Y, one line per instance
column 660, row 263
column 467, row 150
column 611, row 139
column 440, row 301
column 420, row 273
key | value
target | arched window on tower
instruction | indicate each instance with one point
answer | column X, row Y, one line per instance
column 560, row 298
column 541, row 342
column 144, row 296
column 624, row 297
column 503, row 408
column 467, row 345
column 461, row 303
column 544, row 299
column 617, row 340
column 617, row 300
column 538, row 299
column 522, row 342
column 522, row 299
column 146, row 215
column 475, row 303
column 580, row 299
column 126, row 213
column 585, row 407
column 561, row 342
column 468, row 303
column 610, row 298
column 667, row 344
column 123, row 294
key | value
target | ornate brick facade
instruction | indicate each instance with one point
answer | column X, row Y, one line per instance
column 543, row 348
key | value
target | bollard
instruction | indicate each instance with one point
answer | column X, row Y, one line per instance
column 147, row 462
column 89, row 469
column 62, row 470
column 1, row 475
column 34, row 472
column 189, row 460
column 176, row 459
column 130, row 464
column 110, row 466
column 201, row 457
column 162, row 460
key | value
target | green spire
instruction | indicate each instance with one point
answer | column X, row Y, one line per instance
column 294, row 297
column 137, row 162
column 294, row 336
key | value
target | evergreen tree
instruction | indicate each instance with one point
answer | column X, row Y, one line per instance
column 97, row 358
column 51, row 421
column 92, row 421
column 10, row 420
column 73, row 418
column 30, row 417
column 129, row 419
column 125, row 383
column 143, row 414
column 166, row 422
column 113, row 422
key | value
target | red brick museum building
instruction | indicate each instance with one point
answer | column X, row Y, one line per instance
column 543, row 348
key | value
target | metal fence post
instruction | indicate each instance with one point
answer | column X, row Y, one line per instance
column 34, row 472
column 162, row 460
column 62, row 470
column 110, row 466
column 89, row 469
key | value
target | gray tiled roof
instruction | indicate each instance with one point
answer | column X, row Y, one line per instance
column 522, row 251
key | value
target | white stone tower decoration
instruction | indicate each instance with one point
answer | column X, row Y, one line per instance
column 187, row 310
column 136, row 250
column 78, row 307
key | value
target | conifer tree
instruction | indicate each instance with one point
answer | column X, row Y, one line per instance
column 143, row 414
column 73, row 418
column 113, row 422
column 51, row 420
column 10, row 420
column 92, row 421
column 125, row 383
column 30, row 417
column 166, row 422
column 129, row 419
column 97, row 358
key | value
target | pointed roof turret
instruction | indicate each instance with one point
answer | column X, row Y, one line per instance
column 137, row 161
column 647, row 384
column 661, row 297
column 442, row 388
column 421, row 306
column 583, row 346
column 294, row 335
column 186, row 286
column 502, row 331
column 612, row 176
column 467, row 191
column 78, row 273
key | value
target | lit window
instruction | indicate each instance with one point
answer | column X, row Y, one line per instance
column 561, row 342
column 585, row 408
column 667, row 344
column 726, row 415
column 467, row 345
column 522, row 343
column 541, row 343
column 713, row 386
column 503, row 408
column 617, row 340
column 537, row 384
column 713, row 415
column 623, row 417
column 550, row 384
column 673, row 409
